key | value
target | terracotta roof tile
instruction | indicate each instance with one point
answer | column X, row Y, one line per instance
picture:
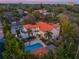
column 28, row 26
column 42, row 26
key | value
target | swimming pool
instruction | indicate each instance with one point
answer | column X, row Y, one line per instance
column 33, row 48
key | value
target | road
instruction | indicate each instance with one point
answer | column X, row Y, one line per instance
column 1, row 31
column 1, row 39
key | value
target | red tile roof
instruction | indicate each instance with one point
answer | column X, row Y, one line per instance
column 28, row 26
column 42, row 26
column 55, row 25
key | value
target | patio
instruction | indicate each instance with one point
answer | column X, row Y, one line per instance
column 36, row 47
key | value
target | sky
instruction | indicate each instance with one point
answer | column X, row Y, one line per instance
column 38, row 1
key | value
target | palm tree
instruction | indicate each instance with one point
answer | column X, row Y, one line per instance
column 48, row 35
column 30, row 34
column 18, row 33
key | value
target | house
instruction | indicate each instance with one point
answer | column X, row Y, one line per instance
column 41, row 28
column 41, row 11
column 24, row 31
column 26, row 12
column 48, row 13
column 14, row 27
column 20, row 11
column 55, row 31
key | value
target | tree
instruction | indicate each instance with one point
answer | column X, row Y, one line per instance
column 66, row 26
column 37, row 15
column 48, row 35
column 18, row 33
column 13, row 47
column 48, row 18
column 13, row 50
column 68, row 47
column 30, row 19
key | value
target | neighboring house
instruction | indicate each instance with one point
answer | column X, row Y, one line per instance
column 20, row 11
column 26, row 12
column 15, row 26
column 41, row 11
column 21, row 18
column 41, row 28
column 13, row 30
column 48, row 13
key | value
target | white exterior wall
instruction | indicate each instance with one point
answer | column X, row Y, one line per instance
column 34, row 42
column 24, row 35
column 55, row 33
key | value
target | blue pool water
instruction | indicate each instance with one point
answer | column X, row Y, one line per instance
column 33, row 47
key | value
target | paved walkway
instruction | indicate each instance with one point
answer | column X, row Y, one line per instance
column 34, row 42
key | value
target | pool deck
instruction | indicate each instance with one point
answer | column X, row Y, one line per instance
column 34, row 42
